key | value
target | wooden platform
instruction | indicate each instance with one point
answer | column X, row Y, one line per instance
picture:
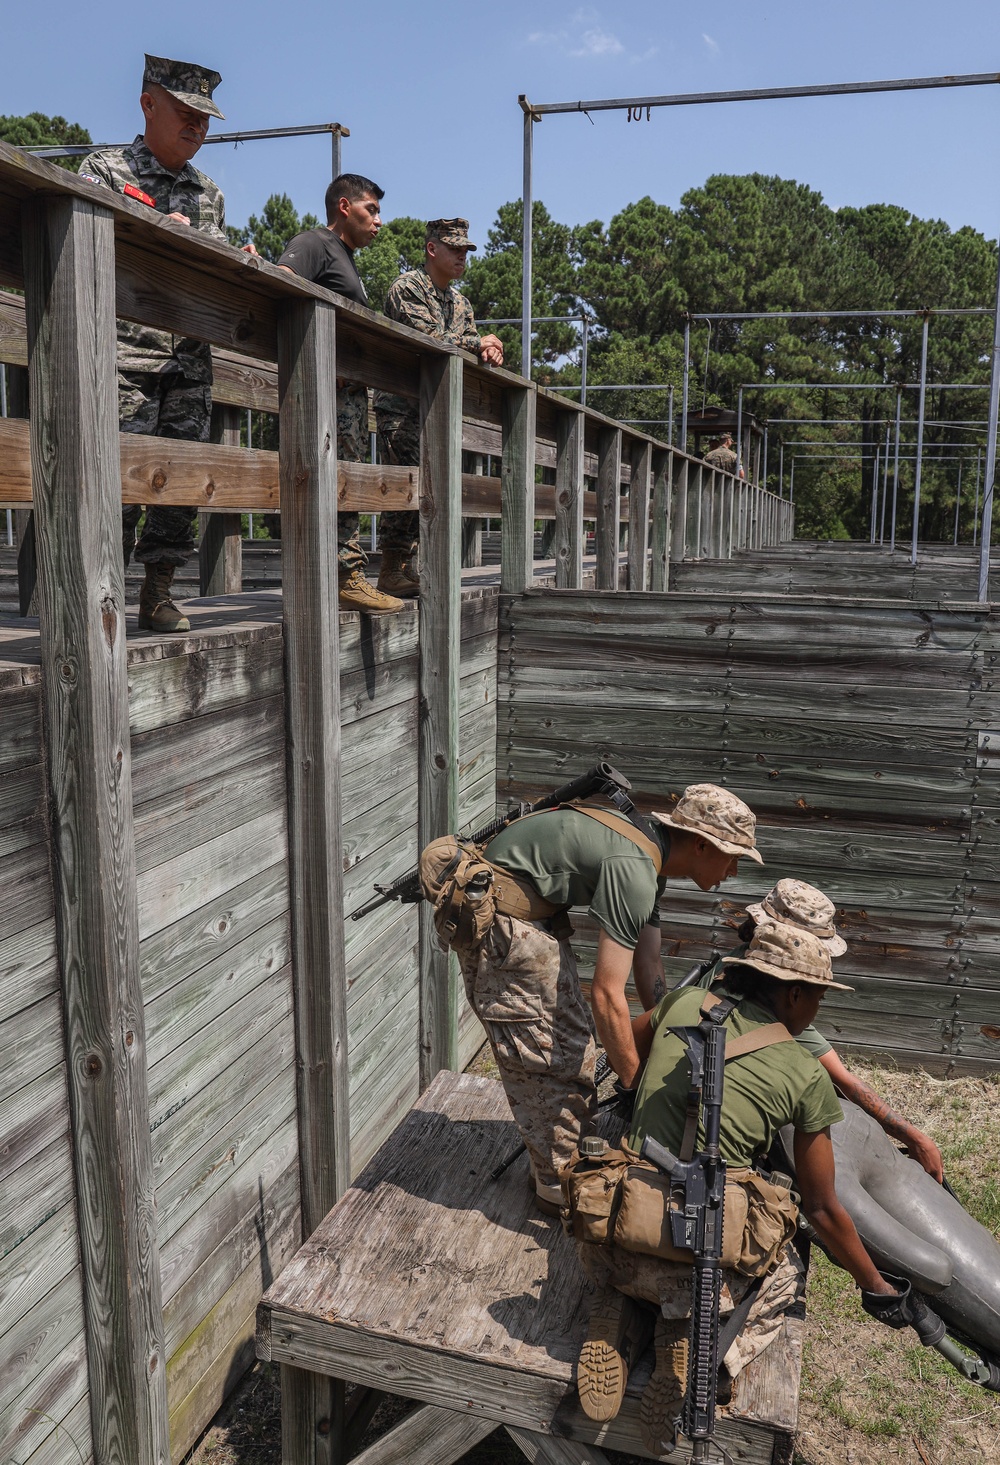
column 432, row 1281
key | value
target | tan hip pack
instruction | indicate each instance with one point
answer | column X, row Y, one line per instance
column 624, row 1201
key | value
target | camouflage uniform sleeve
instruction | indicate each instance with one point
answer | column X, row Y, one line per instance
column 408, row 304
column 212, row 220
column 467, row 336
column 96, row 168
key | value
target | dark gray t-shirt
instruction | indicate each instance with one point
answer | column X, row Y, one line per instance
column 321, row 256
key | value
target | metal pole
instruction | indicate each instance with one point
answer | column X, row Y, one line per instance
column 920, row 441
column 986, row 538
column 781, row 469
column 791, row 484
column 895, row 473
column 871, row 538
column 764, row 477
column 975, row 512
column 739, row 432
column 684, row 387
column 335, row 141
column 670, row 417
column 885, row 490
column 583, row 363
column 958, row 501
column 526, row 242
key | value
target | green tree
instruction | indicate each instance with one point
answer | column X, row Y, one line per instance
column 38, row 131
column 277, row 226
column 398, row 246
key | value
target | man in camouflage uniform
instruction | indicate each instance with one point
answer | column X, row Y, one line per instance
column 428, row 300
column 164, row 381
column 722, row 455
column 326, row 257
column 522, row 980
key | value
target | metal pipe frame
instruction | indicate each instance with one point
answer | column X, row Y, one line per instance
column 991, row 456
column 921, row 406
column 515, row 320
column 80, row 150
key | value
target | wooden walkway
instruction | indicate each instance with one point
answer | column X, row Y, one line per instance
column 432, row 1281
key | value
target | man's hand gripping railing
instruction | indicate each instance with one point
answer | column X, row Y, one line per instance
column 601, row 779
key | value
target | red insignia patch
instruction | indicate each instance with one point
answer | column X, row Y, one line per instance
column 131, row 191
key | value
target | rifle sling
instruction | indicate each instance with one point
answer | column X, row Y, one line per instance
column 622, row 824
column 737, row 1318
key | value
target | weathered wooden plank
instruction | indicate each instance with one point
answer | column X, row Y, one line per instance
column 517, row 518
column 163, row 757
column 569, row 540
column 37, row 1340
column 21, row 734
column 312, row 1418
column 548, row 1450
column 220, row 536
column 188, row 881
column 70, row 1439
column 609, row 475
column 440, row 632
column 221, row 478
column 49, row 1391
column 180, row 821
column 69, row 281
column 662, row 527
column 29, row 1272
column 427, row 1436
column 32, row 1118
column 638, row 524
column 35, row 1192
column 307, row 370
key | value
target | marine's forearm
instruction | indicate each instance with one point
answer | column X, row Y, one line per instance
column 858, row 1092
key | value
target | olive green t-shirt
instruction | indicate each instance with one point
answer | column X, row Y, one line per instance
column 811, row 1038
column 775, row 1086
column 571, row 859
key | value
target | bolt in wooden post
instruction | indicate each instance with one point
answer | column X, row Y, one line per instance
column 440, row 636
column 69, row 269
column 569, row 500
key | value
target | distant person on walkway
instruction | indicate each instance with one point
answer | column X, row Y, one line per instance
column 429, row 300
column 165, row 381
column 326, row 257
column 721, row 454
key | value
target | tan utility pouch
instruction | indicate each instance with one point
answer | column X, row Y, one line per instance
column 592, row 1191
column 757, row 1219
column 467, row 892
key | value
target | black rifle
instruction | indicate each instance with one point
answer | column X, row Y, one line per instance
column 623, row 1099
column 699, row 1186
column 602, row 779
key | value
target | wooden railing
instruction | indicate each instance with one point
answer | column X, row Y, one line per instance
column 84, row 255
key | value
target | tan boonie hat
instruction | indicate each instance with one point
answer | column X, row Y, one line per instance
column 798, row 904
column 789, row 954
column 718, row 815
column 450, row 231
column 193, row 85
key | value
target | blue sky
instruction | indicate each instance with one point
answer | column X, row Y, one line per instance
column 430, row 94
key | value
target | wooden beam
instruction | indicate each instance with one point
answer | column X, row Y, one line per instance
column 214, row 477
column 609, row 478
column 679, row 514
column 543, row 1449
column 661, row 530
column 569, row 500
column 307, row 372
column 426, row 1436
column 69, row 279
column 638, row 521
column 440, row 635
column 312, row 1418
column 220, row 536
column 517, row 520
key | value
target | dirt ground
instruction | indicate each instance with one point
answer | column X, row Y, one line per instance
column 869, row 1396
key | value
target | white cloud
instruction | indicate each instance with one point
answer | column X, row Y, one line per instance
column 597, row 42
column 711, row 43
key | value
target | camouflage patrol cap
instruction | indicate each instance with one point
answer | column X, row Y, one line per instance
column 450, row 231
column 193, row 85
column 789, row 954
column 795, row 903
column 717, row 815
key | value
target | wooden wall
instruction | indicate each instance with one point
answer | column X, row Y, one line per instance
column 851, row 727
column 209, row 791
column 43, row 1357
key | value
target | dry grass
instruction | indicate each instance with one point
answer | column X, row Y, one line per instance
column 869, row 1396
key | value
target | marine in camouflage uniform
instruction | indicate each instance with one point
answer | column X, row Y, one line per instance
column 721, row 455
column 164, row 381
column 444, row 313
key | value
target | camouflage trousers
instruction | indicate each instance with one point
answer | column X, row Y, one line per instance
column 155, row 405
column 667, row 1285
column 398, row 424
column 352, row 447
column 523, row 986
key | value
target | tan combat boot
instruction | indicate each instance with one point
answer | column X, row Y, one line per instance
column 618, row 1333
column 157, row 612
column 397, row 575
column 357, row 594
column 663, row 1397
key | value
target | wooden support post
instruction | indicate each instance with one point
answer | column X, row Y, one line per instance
column 472, row 529
column 440, row 636
column 69, row 272
column 638, row 514
column 220, row 536
column 569, row 500
column 695, row 482
column 679, row 512
column 307, row 375
column 544, row 1449
column 312, row 1407
column 660, row 534
column 706, row 522
column 609, row 479
column 24, row 523
column 517, row 490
